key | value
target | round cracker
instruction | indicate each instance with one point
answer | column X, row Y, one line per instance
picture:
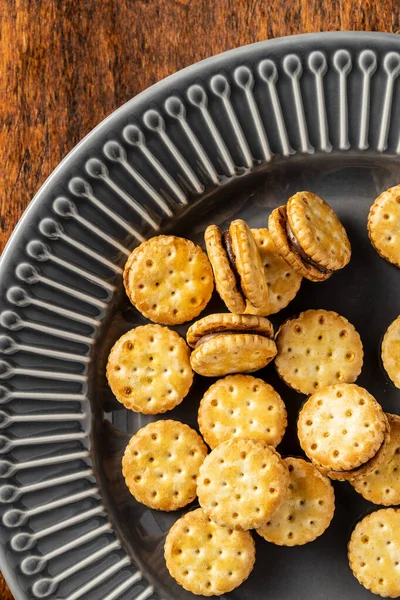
column 307, row 510
column 242, row 406
column 341, row 427
column 366, row 468
column 168, row 279
column 226, row 353
column 384, row 225
column 283, row 281
column 148, row 369
column 225, row 278
column 205, row 558
column 277, row 228
column 161, row 464
column 242, row 483
column 318, row 230
column 374, row 552
column 316, row 349
column 382, row 486
column 248, row 263
column 391, row 351
column 222, row 322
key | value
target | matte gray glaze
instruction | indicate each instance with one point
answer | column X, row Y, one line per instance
column 232, row 136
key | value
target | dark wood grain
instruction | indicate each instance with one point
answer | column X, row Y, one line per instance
column 66, row 64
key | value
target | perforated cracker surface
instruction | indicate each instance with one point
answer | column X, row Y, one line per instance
column 161, row 464
column 384, row 225
column 341, row 427
column 316, row 349
column 242, row 406
column 205, row 558
column 149, row 370
column 242, row 483
column 382, row 486
column 391, row 351
column 168, row 279
column 307, row 511
column 374, row 552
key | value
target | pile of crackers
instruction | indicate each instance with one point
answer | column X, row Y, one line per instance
column 243, row 483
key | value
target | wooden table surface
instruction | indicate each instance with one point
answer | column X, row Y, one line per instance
column 66, row 64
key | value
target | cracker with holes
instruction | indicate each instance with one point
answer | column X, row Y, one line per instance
column 205, row 558
column 225, row 343
column 307, row 511
column 341, row 427
column 384, row 225
column 242, row 482
column 242, row 406
column 391, row 351
column 374, row 552
column 316, row 349
column 283, row 281
column 382, row 485
column 161, row 464
column 308, row 234
column 353, row 475
column 149, row 370
column 168, row 279
column 237, row 265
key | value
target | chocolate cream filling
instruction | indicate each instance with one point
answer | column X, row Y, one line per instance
column 228, row 247
column 208, row 336
column 297, row 249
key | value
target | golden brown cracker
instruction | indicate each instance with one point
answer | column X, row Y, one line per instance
column 242, row 406
column 374, row 552
column 391, row 351
column 242, row 483
column 149, row 370
column 205, row 558
column 341, row 427
column 161, row 464
column 226, row 353
column 225, row 278
column 307, row 511
column 384, row 225
column 318, row 348
column 382, row 486
column 248, row 263
column 223, row 322
column 168, row 279
column 277, row 228
column 283, row 281
column 318, row 230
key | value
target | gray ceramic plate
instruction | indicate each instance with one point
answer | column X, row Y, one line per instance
column 232, row 136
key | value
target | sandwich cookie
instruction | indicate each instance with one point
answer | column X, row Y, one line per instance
column 309, row 236
column 237, row 266
column 226, row 343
